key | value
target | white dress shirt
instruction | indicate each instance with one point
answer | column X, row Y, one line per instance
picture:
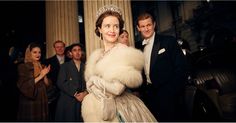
column 147, row 56
column 78, row 67
column 61, row 59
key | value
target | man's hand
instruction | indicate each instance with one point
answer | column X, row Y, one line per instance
column 80, row 96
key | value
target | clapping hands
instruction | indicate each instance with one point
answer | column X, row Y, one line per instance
column 45, row 70
column 43, row 74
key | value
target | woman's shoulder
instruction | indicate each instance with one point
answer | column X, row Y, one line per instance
column 25, row 66
column 128, row 56
column 95, row 55
column 96, row 52
column 128, row 51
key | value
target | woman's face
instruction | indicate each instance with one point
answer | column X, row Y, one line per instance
column 35, row 54
column 110, row 29
column 124, row 38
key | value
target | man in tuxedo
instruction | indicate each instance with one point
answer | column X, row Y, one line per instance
column 55, row 62
column 164, row 71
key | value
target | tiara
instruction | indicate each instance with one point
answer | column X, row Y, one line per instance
column 106, row 8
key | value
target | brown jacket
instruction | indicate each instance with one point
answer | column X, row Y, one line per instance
column 33, row 102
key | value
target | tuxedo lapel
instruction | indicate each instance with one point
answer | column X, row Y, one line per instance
column 56, row 61
column 155, row 49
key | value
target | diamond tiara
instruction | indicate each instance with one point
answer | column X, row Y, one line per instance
column 107, row 8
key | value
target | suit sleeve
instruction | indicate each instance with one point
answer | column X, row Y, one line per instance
column 179, row 64
column 26, row 82
column 65, row 82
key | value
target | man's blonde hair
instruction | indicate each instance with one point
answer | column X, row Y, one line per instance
column 58, row 41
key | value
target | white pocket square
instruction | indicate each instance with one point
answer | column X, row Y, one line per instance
column 161, row 51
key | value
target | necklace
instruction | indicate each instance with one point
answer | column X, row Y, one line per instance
column 105, row 53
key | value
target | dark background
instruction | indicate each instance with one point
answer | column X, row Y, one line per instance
column 22, row 22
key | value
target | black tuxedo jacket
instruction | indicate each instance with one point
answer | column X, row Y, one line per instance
column 55, row 67
column 168, row 73
column 53, row 91
column 168, row 65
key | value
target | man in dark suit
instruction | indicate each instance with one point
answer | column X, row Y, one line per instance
column 55, row 62
column 164, row 71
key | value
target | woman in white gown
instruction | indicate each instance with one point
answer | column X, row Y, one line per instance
column 109, row 71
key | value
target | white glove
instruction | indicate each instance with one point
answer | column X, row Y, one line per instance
column 115, row 87
column 97, row 92
column 89, row 84
column 93, row 86
column 97, row 81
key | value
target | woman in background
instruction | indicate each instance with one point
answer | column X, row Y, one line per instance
column 124, row 37
column 32, row 83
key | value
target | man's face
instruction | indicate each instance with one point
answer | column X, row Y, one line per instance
column 59, row 48
column 76, row 53
column 146, row 27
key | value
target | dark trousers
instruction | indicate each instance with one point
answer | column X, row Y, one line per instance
column 52, row 109
column 164, row 104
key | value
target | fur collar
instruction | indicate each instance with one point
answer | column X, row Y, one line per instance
column 121, row 63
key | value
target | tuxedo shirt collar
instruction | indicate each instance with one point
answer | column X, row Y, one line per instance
column 61, row 59
column 147, row 56
column 149, row 40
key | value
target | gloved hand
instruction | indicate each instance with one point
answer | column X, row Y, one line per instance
column 94, row 86
column 97, row 81
column 98, row 92
column 89, row 84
